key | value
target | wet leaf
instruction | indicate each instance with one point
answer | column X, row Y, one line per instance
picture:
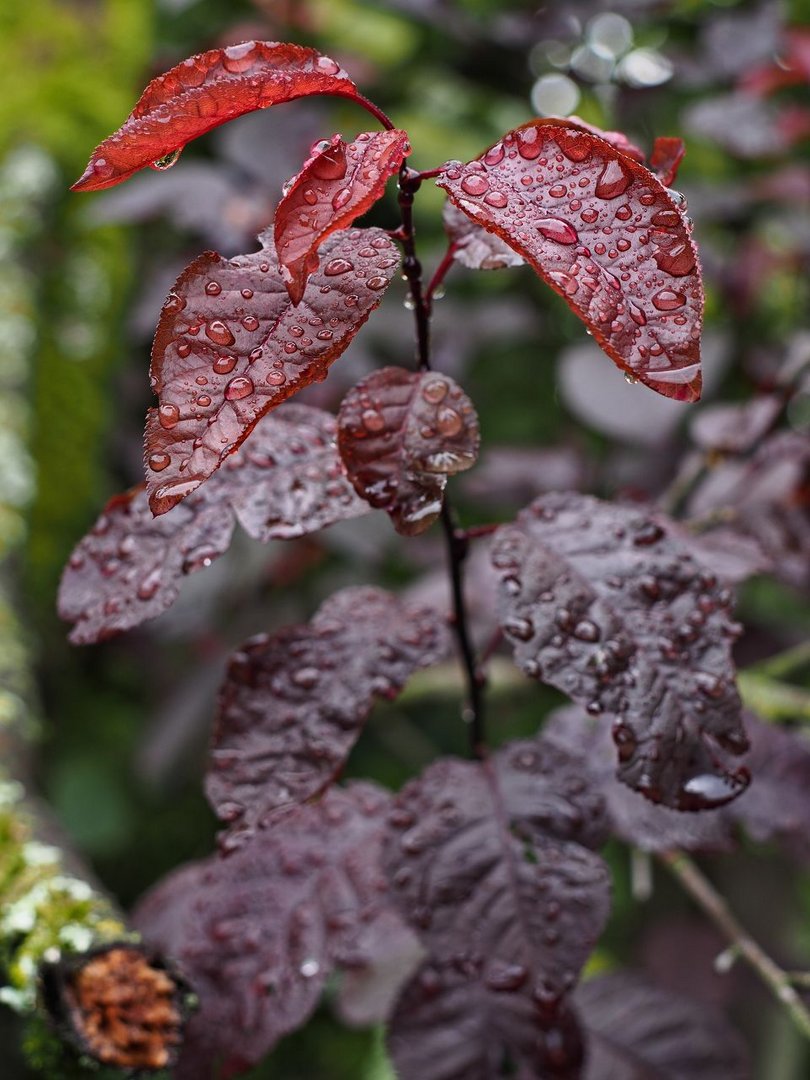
column 230, row 346
column 401, row 434
column 608, row 605
column 258, row 933
column 294, row 703
column 203, row 92
column 638, row 1031
column 286, row 481
column 487, row 864
column 551, row 189
column 666, row 157
column 337, row 184
column 473, row 246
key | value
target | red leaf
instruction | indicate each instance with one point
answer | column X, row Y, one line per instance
column 286, row 481
column 666, row 157
column 603, row 233
column 203, row 92
column 609, row 605
column 230, row 347
column 401, row 434
column 473, row 246
column 294, row 703
column 616, row 138
column 338, row 184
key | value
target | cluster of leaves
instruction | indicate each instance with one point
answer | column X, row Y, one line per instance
column 476, row 895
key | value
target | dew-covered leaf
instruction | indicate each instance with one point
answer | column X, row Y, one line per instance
column 401, row 434
column 230, row 346
column 608, row 605
column 666, row 157
column 286, row 480
column 337, row 184
column 258, row 933
column 638, row 1031
column 294, row 703
column 473, row 246
column 605, row 234
column 203, row 92
column 487, row 863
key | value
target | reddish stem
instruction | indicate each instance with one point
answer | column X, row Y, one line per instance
column 440, row 274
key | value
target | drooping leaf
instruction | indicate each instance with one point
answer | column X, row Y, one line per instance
column 639, row 1031
column 487, row 864
column 203, row 92
column 605, row 234
column 666, row 157
column 230, row 346
column 337, row 184
column 258, row 933
column 473, row 246
column 294, row 703
column 607, row 604
column 287, row 480
column 401, row 434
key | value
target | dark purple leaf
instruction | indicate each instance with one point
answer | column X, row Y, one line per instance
column 637, row 1031
column 287, row 480
column 294, row 703
column 550, row 189
column 257, row 933
column 203, row 92
column 608, row 605
column 401, row 434
column 473, row 246
column 337, row 184
column 486, row 862
column 230, row 346
column 733, row 429
column 391, row 954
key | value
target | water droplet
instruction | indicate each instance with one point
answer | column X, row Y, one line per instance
column 247, row 293
column 559, row 191
column 522, row 629
column 275, row 378
column 529, row 143
column 377, row 283
column 238, row 388
column 166, row 162
column 678, row 260
column 449, row 422
column 373, row 420
column 310, row 197
column 213, row 288
column 159, row 461
column 496, row 199
column 219, row 333
column 224, row 364
column 168, row 416
column 238, row 58
column 327, row 66
column 324, row 335
column 435, row 391
column 338, row 266
column 585, row 630
column 557, row 230
column 668, row 300
column 306, row 677
column 505, row 977
column 183, row 349
column 203, row 401
column 613, row 181
column 341, row 198
column 150, row 584
column 494, row 156
column 250, row 322
column 475, row 184
column 589, row 215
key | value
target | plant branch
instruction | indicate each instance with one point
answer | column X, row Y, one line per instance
column 439, row 275
column 375, row 111
column 714, row 905
column 456, row 540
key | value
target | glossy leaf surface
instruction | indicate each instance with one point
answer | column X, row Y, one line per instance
column 294, row 703
column 258, row 933
column 401, row 434
column 605, row 234
column 666, row 157
column 337, row 184
column 203, row 92
column 487, row 863
column 231, row 346
column 287, row 480
column 606, row 604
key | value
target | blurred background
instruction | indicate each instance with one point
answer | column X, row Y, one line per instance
column 82, row 279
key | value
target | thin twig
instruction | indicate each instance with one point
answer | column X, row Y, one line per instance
column 440, row 274
column 714, row 905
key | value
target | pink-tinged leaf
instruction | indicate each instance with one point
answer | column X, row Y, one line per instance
column 230, row 346
column 605, row 234
column 666, row 157
column 336, row 185
column 616, row 139
column 401, row 434
column 734, row 429
column 294, row 703
column 473, row 246
column 203, row 92
column 286, row 481
column 638, row 1031
column 486, row 862
column 259, row 932
column 609, row 605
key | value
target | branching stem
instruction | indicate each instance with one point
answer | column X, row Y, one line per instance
column 714, row 905
column 456, row 539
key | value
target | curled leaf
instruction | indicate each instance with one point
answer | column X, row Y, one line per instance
column 294, row 703
column 401, row 434
column 605, row 234
column 337, row 184
column 666, row 157
column 607, row 604
column 230, row 346
column 203, row 92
